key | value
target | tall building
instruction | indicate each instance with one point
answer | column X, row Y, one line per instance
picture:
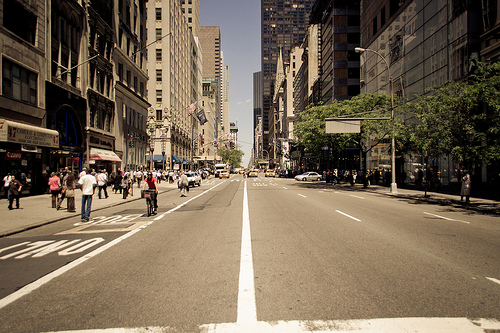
column 283, row 24
column 339, row 34
column 210, row 40
column 425, row 44
column 174, row 62
column 131, row 80
column 257, row 114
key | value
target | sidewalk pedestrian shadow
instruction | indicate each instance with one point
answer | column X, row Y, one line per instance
column 484, row 208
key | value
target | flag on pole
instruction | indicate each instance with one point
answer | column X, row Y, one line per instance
column 192, row 107
column 201, row 116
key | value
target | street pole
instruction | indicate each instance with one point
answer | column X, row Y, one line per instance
column 394, row 185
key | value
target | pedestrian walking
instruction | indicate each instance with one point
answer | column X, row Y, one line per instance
column 102, row 182
column 88, row 183
column 14, row 192
column 125, row 185
column 70, row 193
column 6, row 184
column 118, row 182
column 466, row 185
column 184, row 185
column 55, row 186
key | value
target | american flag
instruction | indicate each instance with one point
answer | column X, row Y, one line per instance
column 192, row 107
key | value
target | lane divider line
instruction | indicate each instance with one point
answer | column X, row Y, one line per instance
column 302, row 195
column 349, row 216
column 159, row 217
column 247, row 308
column 41, row 281
column 445, row 218
column 493, row 280
column 356, row 196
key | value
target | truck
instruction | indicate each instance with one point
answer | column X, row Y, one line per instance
column 219, row 168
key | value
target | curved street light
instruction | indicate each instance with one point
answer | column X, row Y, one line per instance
column 394, row 185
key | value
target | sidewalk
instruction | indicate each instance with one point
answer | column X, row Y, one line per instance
column 477, row 204
column 37, row 210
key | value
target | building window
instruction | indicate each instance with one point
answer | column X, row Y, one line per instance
column 158, row 96
column 158, row 14
column 19, row 20
column 159, row 114
column 158, row 75
column 158, row 54
column 19, row 83
column 158, row 33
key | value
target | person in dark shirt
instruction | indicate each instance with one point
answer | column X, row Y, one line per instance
column 15, row 192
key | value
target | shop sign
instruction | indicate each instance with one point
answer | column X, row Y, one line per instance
column 28, row 149
column 14, row 155
column 11, row 131
column 101, row 142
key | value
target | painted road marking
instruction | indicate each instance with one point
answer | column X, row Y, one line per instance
column 60, row 271
column 446, row 218
column 285, row 188
column 376, row 325
column 42, row 248
column 356, row 196
column 247, row 309
column 159, row 217
column 493, row 280
column 302, row 195
column 349, row 216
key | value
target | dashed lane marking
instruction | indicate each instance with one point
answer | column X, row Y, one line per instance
column 302, row 195
column 493, row 280
column 349, row 216
column 356, row 196
column 445, row 218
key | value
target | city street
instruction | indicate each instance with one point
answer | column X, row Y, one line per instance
column 257, row 255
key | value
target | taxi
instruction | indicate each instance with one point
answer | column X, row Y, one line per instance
column 224, row 174
column 270, row 173
column 253, row 173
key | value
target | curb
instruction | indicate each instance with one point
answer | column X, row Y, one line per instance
column 46, row 222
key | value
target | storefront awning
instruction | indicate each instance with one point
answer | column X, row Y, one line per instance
column 103, row 155
column 176, row 159
column 156, row 158
column 11, row 131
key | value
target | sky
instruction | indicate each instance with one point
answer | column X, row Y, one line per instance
column 239, row 22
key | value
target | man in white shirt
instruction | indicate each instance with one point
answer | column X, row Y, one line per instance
column 87, row 183
column 102, row 182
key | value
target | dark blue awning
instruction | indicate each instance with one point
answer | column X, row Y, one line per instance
column 156, row 158
column 176, row 159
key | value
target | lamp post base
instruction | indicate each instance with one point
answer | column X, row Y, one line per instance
column 394, row 188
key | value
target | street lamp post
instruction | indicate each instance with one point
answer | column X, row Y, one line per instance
column 394, row 185
column 151, row 132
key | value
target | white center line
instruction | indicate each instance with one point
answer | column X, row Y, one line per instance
column 349, row 216
column 247, row 309
column 352, row 195
column 446, row 218
column 302, row 195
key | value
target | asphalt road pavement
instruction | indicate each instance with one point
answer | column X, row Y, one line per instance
column 257, row 255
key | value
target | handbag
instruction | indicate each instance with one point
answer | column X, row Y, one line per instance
column 63, row 190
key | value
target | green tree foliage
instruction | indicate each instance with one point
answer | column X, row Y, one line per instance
column 461, row 119
column 311, row 129
column 232, row 157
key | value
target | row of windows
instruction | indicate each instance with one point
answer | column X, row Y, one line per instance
column 18, row 82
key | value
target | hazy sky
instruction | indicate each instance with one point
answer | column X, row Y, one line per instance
column 239, row 22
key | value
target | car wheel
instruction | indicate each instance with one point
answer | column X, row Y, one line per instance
column 304, row 179
column 319, row 179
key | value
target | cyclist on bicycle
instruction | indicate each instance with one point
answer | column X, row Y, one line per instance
column 151, row 181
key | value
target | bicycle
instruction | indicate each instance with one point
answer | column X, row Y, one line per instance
column 150, row 196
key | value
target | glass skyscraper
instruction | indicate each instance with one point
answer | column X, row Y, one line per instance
column 284, row 24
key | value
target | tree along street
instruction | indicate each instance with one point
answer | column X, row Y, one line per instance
column 243, row 253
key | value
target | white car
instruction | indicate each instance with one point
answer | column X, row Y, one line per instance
column 308, row 176
column 193, row 179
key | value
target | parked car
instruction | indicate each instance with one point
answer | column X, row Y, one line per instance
column 193, row 179
column 270, row 173
column 283, row 173
column 306, row 176
column 224, row 174
column 253, row 173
